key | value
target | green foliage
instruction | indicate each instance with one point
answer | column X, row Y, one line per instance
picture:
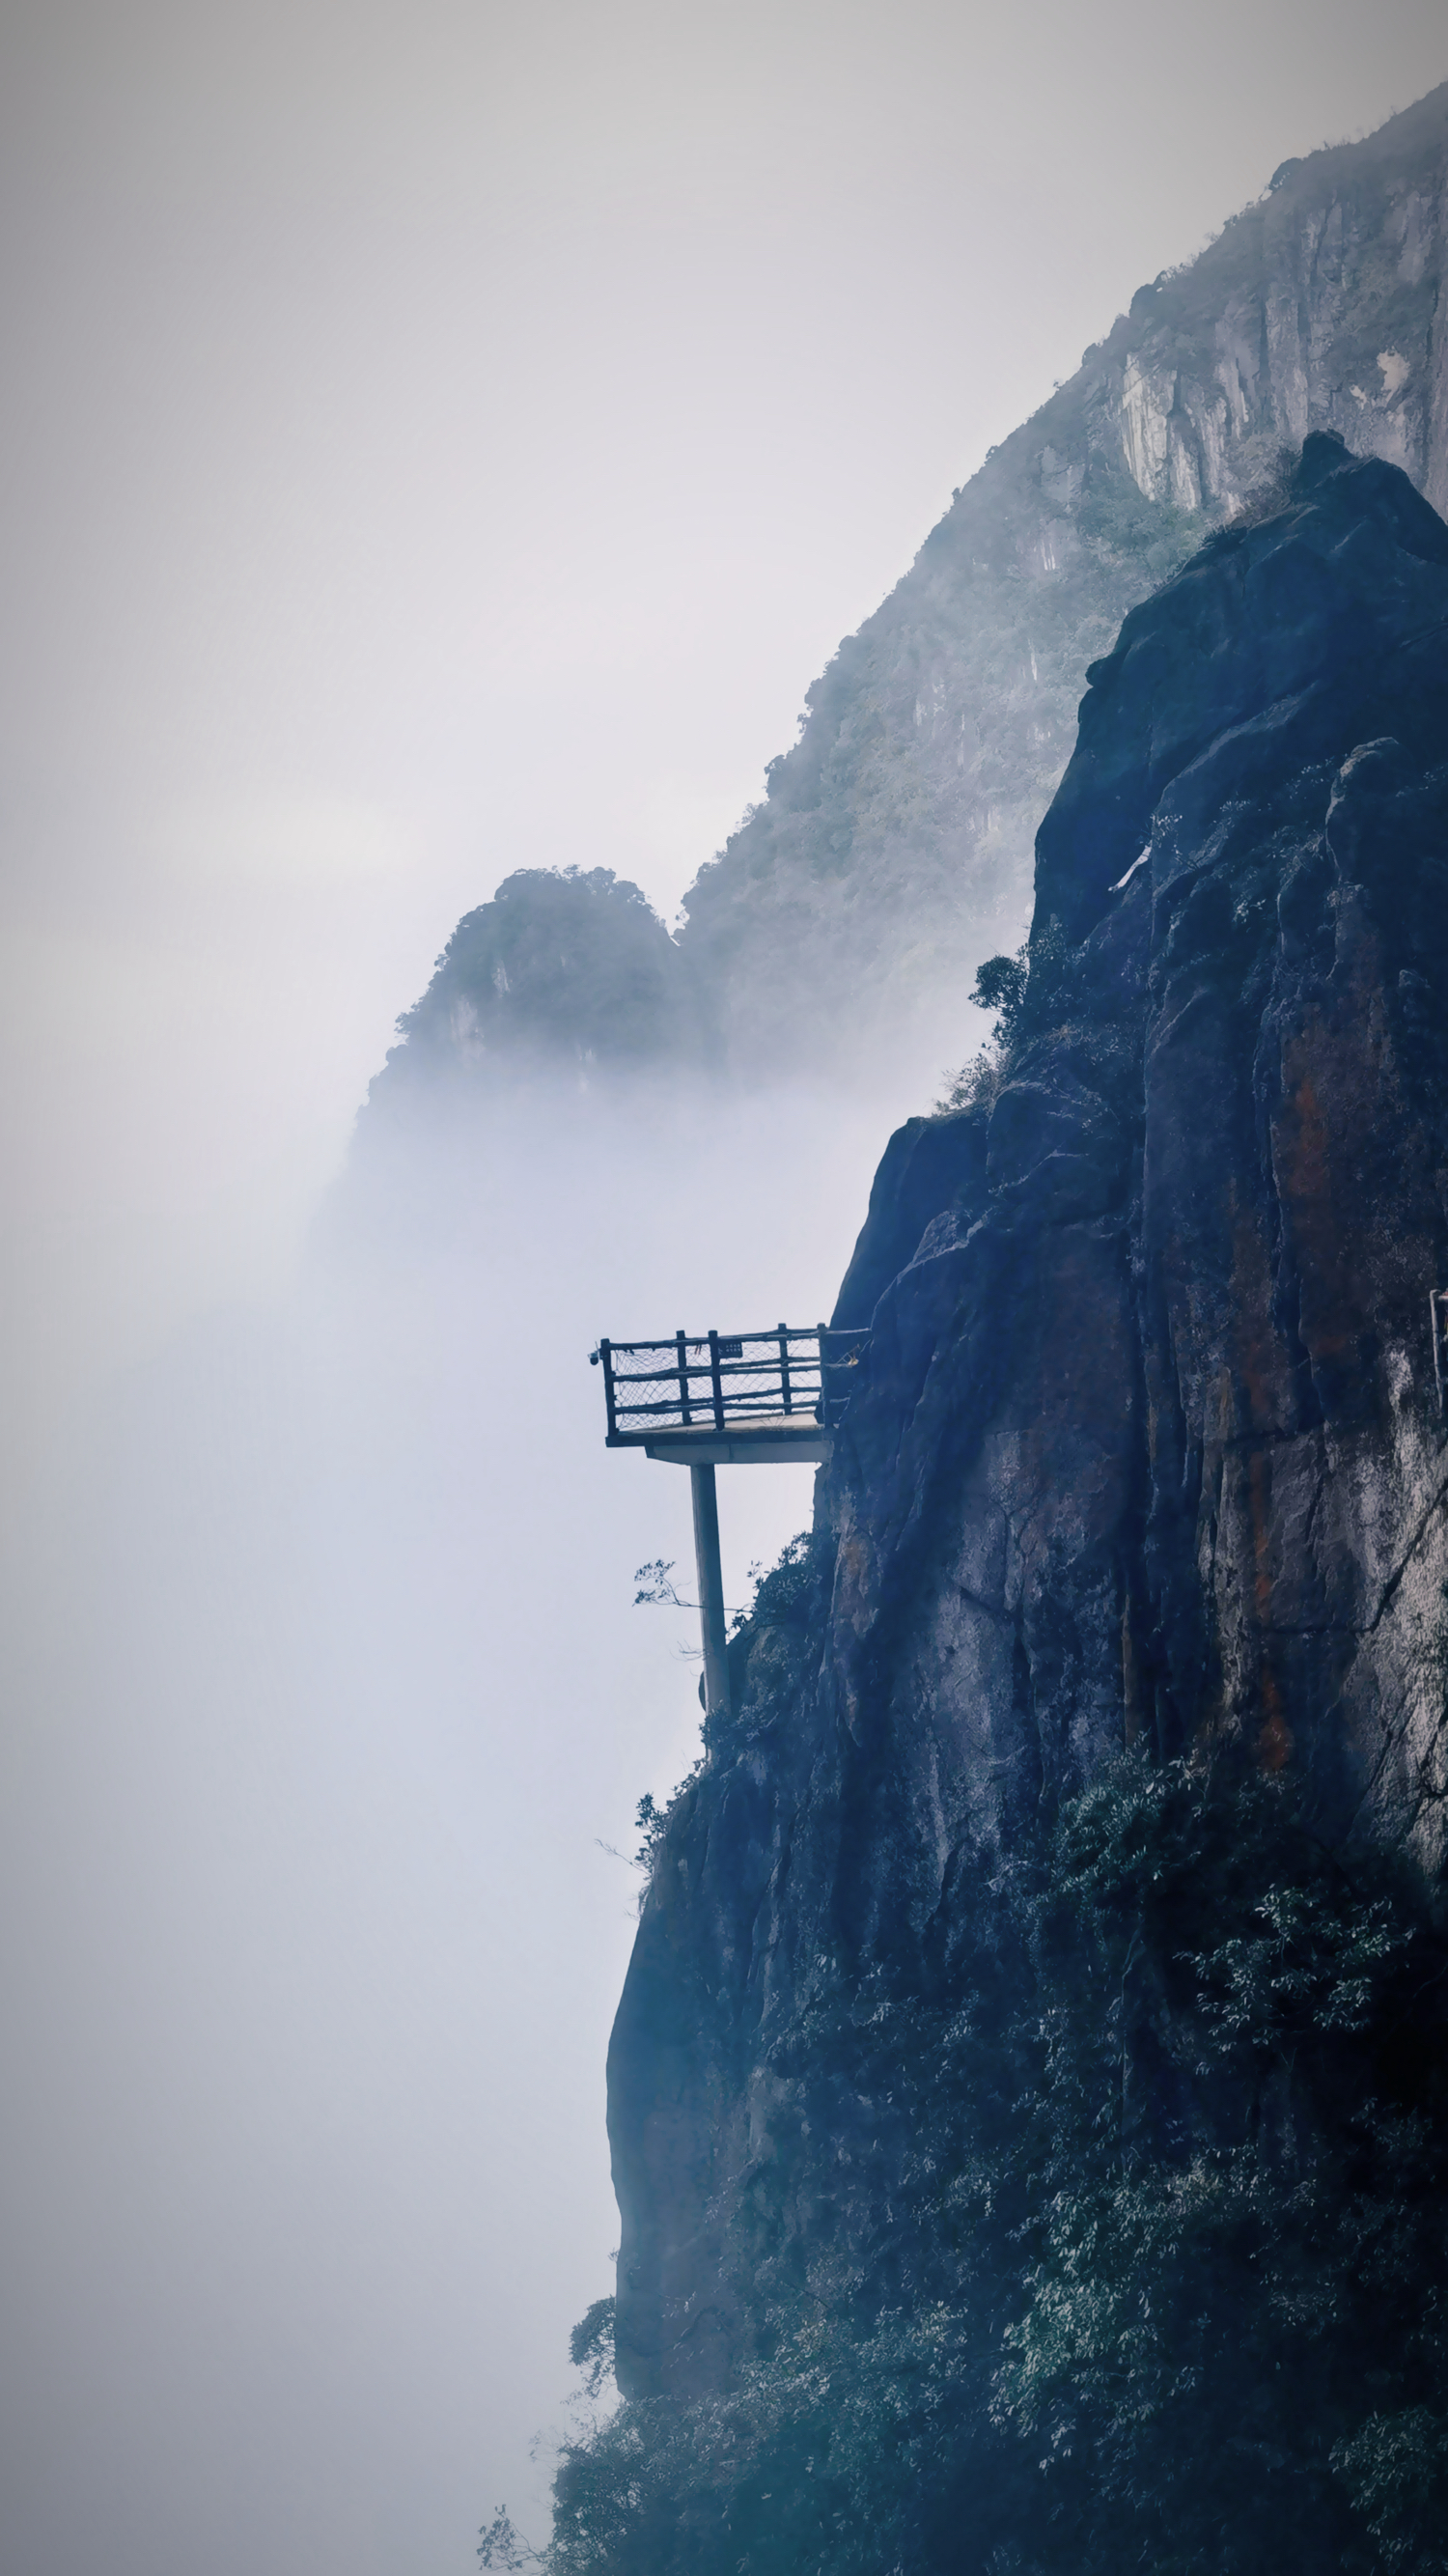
column 590, row 2346
column 1396, row 2470
column 500, row 2545
column 1141, row 2262
column 782, row 1595
column 656, row 1585
column 1000, row 986
column 649, row 1818
column 978, row 1080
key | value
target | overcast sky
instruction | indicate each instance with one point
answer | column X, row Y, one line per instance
column 451, row 439
column 437, row 440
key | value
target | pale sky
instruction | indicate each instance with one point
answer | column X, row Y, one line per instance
column 438, row 440
column 451, row 439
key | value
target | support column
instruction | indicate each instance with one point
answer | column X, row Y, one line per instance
column 711, row 1591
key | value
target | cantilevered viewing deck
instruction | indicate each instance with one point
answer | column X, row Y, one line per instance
column 707, row 1400
column 730, row 1399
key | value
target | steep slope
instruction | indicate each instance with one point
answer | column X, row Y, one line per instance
column 1129, row 1583
column 893, row 847
column 897, row 834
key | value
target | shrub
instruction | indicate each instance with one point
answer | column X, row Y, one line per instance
column 1153, row 2274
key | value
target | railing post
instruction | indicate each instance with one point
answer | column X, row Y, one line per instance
column 711, row 1591
column 717, row 1379
column 822, row 1329
column 683, row 1349
column 784, row 1366
column 605, row 1353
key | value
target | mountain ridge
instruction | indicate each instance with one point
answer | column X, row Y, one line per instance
column 892, row 849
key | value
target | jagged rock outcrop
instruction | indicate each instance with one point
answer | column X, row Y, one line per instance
column 892, row 849
column 1149, row 1448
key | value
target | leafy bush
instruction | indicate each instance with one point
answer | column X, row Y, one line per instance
column 783, row 1594
column 978, row 1081
column 1000, row 986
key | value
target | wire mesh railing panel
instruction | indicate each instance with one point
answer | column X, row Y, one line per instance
column 714, row 1380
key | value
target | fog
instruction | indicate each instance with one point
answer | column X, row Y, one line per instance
column 437, row 442
column 337, row 1693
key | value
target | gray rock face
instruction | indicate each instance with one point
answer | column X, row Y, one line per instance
column 1150, row 1447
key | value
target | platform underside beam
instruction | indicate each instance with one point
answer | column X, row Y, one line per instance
column 809, row 1445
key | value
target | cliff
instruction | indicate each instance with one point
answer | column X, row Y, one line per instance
column 892, row 849
column 1026, row 2101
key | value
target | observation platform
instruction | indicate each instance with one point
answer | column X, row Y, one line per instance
column 708, row 1400
column 764, row 1440
column 730, row 1399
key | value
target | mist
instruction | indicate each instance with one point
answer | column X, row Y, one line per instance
column 439, row 443
column 336, row 1697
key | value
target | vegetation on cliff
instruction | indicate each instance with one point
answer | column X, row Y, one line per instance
column 1188, row 2320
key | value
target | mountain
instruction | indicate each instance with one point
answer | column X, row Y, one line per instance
column 892, row 850
column 1029, row 2097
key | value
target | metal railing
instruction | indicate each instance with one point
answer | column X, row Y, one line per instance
column 720, row 1381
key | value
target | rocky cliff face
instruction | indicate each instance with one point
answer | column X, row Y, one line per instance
column 1149, row 1449
column 893, row 847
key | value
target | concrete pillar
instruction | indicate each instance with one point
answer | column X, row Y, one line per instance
column 711, row 1591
